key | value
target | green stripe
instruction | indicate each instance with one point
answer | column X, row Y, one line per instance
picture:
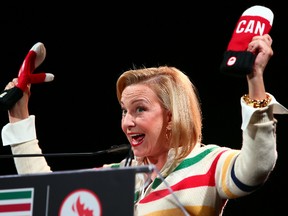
column 15, row 195
column 116, row 165
column 190, row 161
column 186, row 163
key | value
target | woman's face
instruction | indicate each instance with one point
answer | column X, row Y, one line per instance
column 144, row 121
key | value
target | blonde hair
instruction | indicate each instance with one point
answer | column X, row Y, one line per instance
column 177, row 94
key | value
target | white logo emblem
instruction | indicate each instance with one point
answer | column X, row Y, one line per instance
column 81, row 202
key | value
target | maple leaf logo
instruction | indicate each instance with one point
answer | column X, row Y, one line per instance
column 80, row 209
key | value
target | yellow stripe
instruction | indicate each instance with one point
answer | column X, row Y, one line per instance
column 192, row 210
column 224, row 174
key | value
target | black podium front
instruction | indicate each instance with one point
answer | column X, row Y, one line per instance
column 105, row 192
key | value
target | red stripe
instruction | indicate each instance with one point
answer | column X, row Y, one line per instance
column 15, row 207
column 189, row 182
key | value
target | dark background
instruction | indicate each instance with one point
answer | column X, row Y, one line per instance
column 90, row 45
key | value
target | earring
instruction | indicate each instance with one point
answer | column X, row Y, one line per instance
column 168, row 133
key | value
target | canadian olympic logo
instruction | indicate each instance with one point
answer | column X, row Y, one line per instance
column 81, row 202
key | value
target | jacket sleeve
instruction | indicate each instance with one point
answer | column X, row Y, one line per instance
column 240, row 172
column 258, row 154
column 21, row 136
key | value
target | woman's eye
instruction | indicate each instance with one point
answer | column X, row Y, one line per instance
column 140, row 109
column 124, row 112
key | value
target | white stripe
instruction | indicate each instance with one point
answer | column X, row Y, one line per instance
column 260, row 11
column 15, row 201
column 24, row 213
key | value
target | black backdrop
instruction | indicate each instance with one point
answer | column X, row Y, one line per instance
column 90, row 45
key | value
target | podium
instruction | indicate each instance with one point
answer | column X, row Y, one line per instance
column 92, row 192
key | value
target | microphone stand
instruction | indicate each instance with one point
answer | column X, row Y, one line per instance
column 113, row 149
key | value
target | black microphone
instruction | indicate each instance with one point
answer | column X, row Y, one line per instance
column 113, row 149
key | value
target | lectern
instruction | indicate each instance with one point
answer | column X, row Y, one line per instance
column 99, row 192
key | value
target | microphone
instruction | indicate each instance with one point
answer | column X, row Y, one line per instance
column 113, row 149
column 118, row 148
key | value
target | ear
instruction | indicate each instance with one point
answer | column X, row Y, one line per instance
column 169, row 121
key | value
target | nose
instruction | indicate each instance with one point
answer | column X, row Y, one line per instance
column 128, row 121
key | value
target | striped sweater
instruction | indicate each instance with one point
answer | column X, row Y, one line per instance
column 210, row 175
column 200, row 183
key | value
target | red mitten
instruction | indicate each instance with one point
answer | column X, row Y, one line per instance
column 33, row 59
column 237, row 61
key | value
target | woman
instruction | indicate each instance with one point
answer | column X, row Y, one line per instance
column 162, row 120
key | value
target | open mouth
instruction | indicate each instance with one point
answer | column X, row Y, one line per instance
column 137, row 139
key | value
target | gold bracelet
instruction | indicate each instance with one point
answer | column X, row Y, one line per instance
column 257, row 103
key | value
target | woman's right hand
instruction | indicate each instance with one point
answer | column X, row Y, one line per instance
column 20, row 110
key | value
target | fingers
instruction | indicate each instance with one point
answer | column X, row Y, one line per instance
column 261, row 44
column 12, row 84
column 265, row 38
